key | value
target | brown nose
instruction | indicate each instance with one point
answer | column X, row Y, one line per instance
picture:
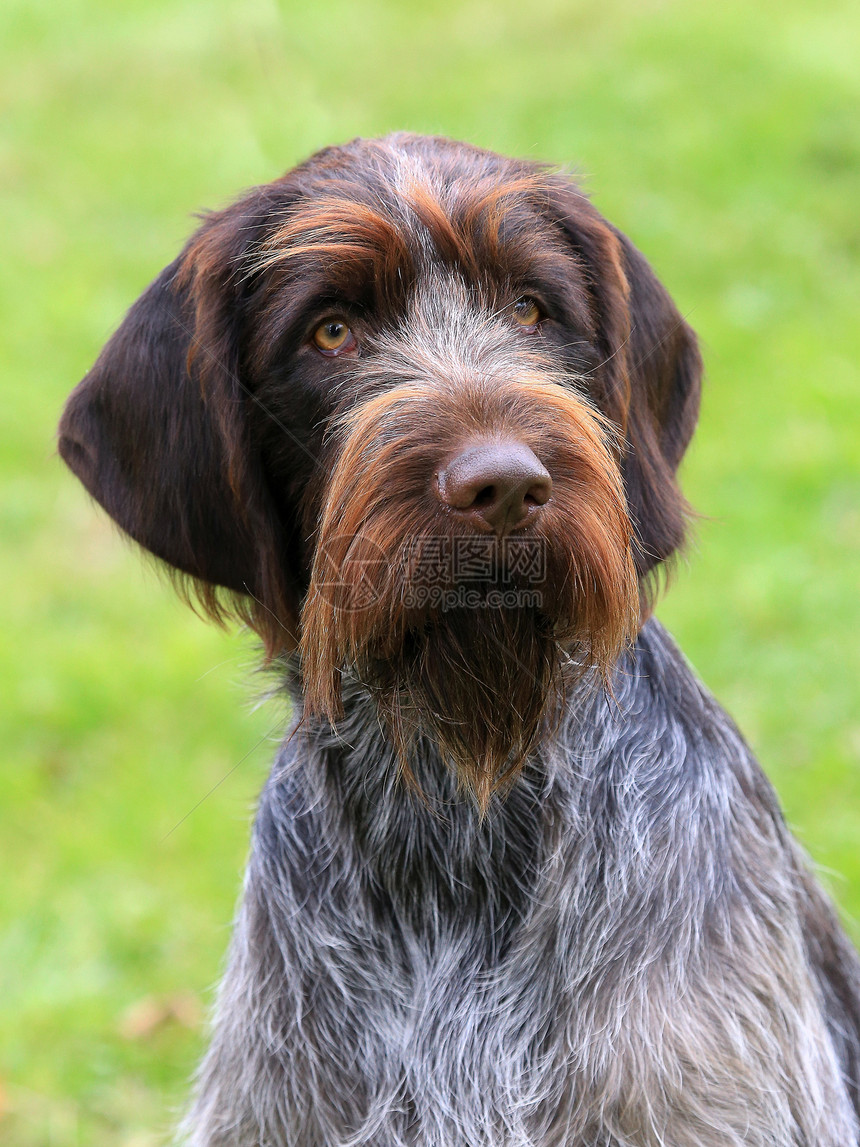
column 499, row 484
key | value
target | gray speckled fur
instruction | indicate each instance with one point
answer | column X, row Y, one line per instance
column 628, row 951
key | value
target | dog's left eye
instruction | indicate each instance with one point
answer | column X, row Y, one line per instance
column 333, row 337
column 526, row 312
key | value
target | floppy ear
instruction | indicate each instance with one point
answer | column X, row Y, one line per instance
column 649, row 380
column 665, row 371
column 158, row 433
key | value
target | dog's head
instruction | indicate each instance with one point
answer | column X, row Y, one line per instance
column 418, row 409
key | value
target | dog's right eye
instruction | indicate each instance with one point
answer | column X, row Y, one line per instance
column 333, row 337
column 527, row 313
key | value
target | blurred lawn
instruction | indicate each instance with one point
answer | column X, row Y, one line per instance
column 724, row 138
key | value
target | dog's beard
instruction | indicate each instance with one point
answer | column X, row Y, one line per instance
column 481, row 683
column 483, row 680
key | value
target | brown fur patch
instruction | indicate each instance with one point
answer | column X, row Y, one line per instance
column 483, row 680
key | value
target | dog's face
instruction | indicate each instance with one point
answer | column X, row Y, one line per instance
column 418, row 409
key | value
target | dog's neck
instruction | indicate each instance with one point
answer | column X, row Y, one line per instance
column 427, row 855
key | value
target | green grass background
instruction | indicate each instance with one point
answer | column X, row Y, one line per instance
column 723, row 137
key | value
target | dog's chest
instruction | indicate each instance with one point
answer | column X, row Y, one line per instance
column 415, row 968
column 587, row 967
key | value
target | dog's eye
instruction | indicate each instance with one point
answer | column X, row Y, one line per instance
column 333, row 337
column 526, row 312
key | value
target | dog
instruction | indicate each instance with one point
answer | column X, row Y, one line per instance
column 414, row 413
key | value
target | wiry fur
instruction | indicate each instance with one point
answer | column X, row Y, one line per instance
column 616, row 958
column 583, row 924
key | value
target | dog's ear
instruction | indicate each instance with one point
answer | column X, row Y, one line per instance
column 158, row 432
column 649, row 377
column 665, row 372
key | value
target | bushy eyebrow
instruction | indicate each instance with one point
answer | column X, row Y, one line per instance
column 497, row 233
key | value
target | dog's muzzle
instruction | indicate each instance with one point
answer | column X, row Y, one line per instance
column 474, row 546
